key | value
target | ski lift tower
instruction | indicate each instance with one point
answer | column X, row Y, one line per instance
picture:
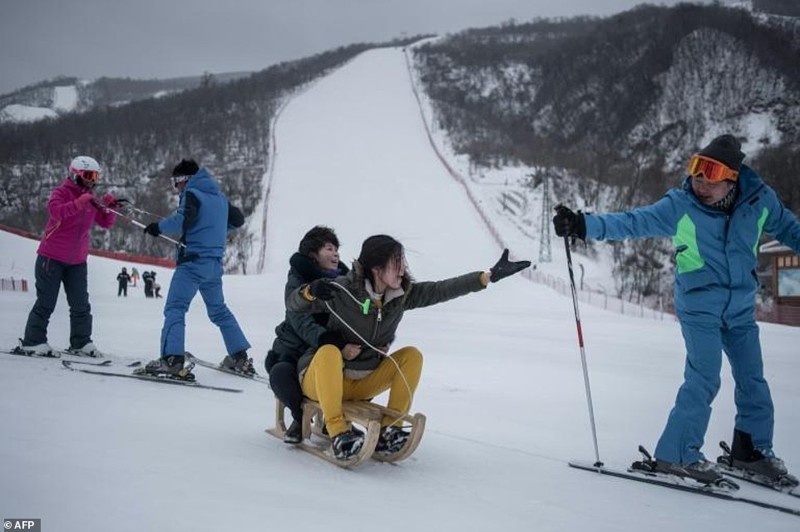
column 545, row 250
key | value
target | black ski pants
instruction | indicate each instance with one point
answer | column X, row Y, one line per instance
column 50, row 273
column 286, row 386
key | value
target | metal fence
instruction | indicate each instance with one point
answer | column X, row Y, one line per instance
column 598, row 299
column 783, row 314
column 15, row 285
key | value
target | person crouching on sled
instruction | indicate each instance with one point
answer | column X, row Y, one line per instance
column 366, row 307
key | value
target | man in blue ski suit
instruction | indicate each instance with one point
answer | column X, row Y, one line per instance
column 203, row 219
column 715, row 220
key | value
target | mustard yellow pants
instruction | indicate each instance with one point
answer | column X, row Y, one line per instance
column 324, row 382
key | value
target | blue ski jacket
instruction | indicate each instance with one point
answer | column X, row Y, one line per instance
column 716, row 253
column 203, row 217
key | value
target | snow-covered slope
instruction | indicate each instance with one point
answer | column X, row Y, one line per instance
column 502, row 384
column 53, row 101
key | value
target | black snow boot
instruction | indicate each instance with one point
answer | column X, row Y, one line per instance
column 294, row 434
column 347, row 444
column 391, row 440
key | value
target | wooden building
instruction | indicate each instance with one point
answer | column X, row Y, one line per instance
column 785, row 283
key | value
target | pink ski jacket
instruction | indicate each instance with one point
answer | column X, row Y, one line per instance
column 66, row 235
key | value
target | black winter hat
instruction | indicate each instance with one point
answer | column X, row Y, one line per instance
column 185, row 167
column 316, row 238
column 725, row 149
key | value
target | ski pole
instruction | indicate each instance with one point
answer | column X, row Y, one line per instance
column 598, row 463
column 140, row 224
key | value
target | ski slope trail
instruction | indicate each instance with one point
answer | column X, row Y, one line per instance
column 336, row 161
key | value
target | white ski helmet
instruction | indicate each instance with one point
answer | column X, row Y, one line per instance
column 85, row 168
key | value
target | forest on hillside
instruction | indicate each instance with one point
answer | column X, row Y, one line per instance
column 224, row 126
column 590, row 94
column 617, row 105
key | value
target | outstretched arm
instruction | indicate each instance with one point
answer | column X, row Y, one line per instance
column 656, row 220
column 429, row 293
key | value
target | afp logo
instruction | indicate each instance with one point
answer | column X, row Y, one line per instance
column 30, row 525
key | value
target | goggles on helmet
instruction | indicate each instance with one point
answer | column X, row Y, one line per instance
column 90, row 177
column 178, row 179
column 711, row 169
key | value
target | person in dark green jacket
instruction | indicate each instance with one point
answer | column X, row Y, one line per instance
column 366, row 307
column 317, row 257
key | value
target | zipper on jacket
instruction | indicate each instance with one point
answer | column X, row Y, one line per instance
column 379, row 318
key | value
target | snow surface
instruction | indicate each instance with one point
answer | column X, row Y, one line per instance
column 25, row 113
column 502, row 386
column 65, row 99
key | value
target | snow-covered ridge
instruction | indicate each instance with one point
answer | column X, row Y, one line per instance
column 63, row 95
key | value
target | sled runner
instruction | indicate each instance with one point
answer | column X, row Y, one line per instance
column 363, row 413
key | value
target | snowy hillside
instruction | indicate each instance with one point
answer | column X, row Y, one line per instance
column 63, row 95
column 502, row 386
column 40, row 103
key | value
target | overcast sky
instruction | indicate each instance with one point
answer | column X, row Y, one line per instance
column 41, row 39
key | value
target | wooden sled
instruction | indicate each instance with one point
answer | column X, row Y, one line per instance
column 368, row 415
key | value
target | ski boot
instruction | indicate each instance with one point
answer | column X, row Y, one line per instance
column 88, row 350
column 701, row 471
column 170, row 367
column 38, row 350
column 238, row 363
column 757, row 465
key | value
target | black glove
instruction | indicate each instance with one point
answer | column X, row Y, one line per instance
column 321, row 289
column 568, row 223
column 152, row 229
column 504, row 267
column 332, row 338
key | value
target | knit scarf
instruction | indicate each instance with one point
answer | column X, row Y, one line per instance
column 726, row 204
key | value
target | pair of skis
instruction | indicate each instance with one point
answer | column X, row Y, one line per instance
column 99, row 368
column 725, row 489
column 144, row 377
column 55, row 353
column 193, row 360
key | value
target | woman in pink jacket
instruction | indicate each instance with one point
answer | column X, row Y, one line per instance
column 73, row 210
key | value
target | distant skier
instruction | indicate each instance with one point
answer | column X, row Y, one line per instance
column 73, row 209
column 123, row 278
column 148, row 278
column 203, row 219
column 317, row 257
column 375, row 294
column 715, row 220
column 156, row 286
column 134, row 276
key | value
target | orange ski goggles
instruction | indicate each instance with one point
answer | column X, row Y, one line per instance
column 712, row 170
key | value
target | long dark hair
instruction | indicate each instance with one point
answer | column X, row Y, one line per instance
column 378, row 251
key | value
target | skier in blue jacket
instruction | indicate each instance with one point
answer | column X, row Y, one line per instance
column 203, row 219
column 715, row 220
